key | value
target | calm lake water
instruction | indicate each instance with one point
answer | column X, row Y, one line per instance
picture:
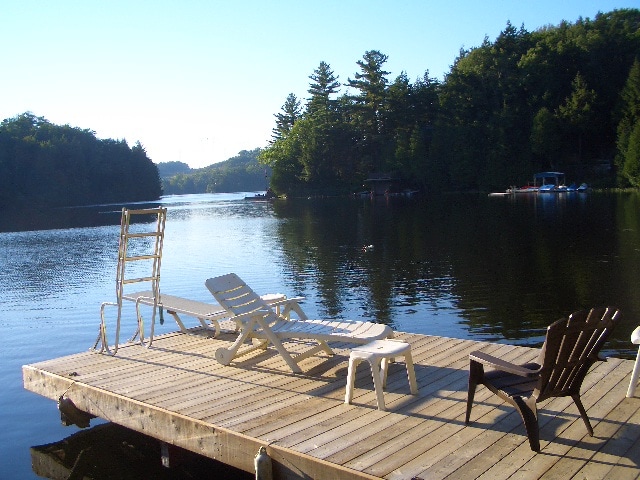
column 467, row 266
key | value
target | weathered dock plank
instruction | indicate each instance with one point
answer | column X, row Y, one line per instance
column 176, row 392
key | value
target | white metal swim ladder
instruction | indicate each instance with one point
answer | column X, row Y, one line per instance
column 143, row 247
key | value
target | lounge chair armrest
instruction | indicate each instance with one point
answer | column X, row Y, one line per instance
column 245, row 318
column 502, row 365
column 285, row 301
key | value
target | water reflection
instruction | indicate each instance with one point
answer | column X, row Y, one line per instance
column 505, row 267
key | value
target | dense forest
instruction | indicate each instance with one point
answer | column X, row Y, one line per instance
column 42, row 164
column 241, row 173
column 562, row 97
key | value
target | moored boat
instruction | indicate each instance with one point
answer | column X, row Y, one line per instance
column 545, row 182
column 268, row 195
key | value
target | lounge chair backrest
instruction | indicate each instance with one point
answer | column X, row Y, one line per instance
column 236, row 296
column 571, row 347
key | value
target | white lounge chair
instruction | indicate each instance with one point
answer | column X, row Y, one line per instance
column 635, row 339
column 258, row 320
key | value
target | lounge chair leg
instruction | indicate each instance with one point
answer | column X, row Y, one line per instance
column 226, row 355
column 275, row 341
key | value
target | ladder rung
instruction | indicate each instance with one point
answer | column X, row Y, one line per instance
column 146, row 211
column 141, row 279
column 144, row 234
column 141, row 257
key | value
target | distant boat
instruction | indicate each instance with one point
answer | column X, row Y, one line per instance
column 550, row 182
column 545, row 182
column 264, row 197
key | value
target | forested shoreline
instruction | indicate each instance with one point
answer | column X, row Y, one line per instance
column 47, row 165
column 563, row 97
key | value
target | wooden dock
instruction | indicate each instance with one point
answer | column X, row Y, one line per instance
column 178, row 393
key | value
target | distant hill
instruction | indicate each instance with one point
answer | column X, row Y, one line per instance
column 169, row 169
column 241, row 173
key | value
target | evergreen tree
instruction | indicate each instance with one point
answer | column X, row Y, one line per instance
column 291, row 112
column 577, row 111
column 324, row 84
column 628, row 128
column 369, row 108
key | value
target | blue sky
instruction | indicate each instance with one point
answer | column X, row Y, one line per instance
column 198, row 81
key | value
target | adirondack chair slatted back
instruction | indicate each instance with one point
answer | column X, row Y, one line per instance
column 571, row 347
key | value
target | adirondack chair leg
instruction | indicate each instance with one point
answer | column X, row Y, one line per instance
column 476, row 373
column 529, row 413
column 583, row 413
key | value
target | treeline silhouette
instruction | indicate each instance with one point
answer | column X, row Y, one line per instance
column 47, row 165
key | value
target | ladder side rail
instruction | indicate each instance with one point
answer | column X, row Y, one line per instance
column 155, row 274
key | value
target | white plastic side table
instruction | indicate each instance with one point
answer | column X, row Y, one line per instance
column 377, row 353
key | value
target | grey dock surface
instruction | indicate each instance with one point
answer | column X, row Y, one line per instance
column 177, row 392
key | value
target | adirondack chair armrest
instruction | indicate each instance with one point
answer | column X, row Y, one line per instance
column 499, row 364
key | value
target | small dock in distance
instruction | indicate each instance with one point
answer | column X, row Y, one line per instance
column 178, row 393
